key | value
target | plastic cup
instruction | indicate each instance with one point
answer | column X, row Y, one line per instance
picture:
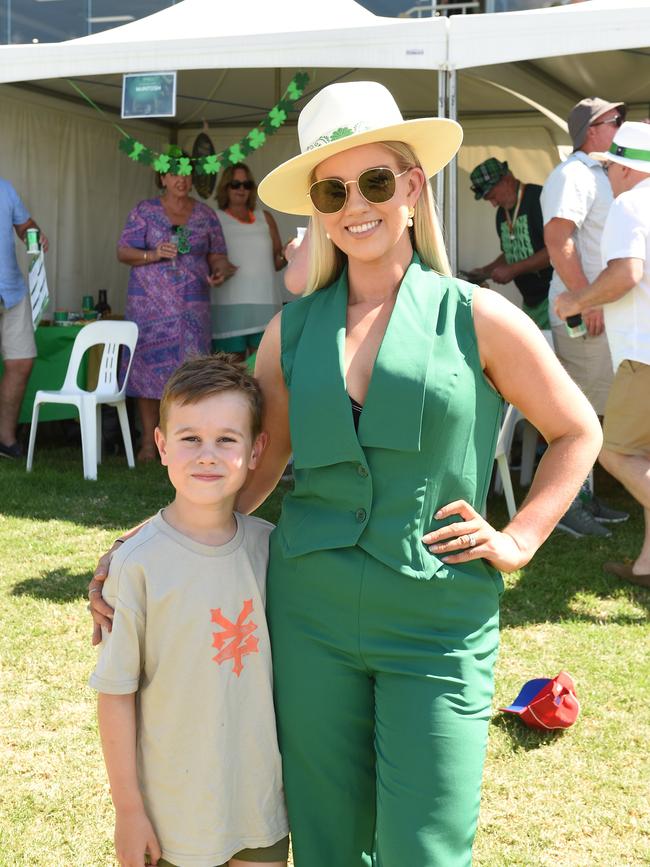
column 33, row 246
column 301, row 231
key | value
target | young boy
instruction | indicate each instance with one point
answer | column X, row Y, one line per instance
column 184, row 678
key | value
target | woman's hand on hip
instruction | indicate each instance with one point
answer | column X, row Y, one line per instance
column 472, row 538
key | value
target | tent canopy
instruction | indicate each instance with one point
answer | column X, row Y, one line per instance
column 552, row 56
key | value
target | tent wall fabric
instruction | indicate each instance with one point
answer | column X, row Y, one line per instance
column 65, row 165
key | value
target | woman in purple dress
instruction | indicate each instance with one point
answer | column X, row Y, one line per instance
column 176, row 250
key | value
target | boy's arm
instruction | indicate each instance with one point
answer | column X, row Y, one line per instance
column 134, row 834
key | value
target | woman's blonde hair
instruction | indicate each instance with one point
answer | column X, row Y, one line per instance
column 227, row 175
column 326, row 261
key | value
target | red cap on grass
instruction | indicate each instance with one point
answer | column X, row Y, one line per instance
column 547, row 703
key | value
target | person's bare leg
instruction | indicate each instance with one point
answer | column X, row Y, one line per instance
column 12, row 389
column 149, row 413
column 633, row 471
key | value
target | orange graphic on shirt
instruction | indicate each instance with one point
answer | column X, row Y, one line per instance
column 236, row 640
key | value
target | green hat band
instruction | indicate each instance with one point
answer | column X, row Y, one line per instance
column 629, row 153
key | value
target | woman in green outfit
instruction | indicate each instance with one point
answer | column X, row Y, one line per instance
column 386, row 383
column 384, row 579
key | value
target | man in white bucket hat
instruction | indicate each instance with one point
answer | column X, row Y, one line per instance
column 623, row 288
column 385, row 382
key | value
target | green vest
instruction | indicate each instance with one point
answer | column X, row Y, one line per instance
column 427, row 432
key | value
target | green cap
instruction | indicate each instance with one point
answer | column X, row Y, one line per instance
column 486, row 175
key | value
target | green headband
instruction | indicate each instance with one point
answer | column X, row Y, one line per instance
column 629, row 153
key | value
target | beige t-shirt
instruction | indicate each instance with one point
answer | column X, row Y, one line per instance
column 190, row 636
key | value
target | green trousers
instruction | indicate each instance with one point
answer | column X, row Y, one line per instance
column 383, row 690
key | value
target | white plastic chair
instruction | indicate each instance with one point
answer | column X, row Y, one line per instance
column 511, row 418
column 112, row 334
column 502, row 455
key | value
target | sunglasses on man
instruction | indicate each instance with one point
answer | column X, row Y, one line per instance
column 376, row 185
column 618, row 120
column 235, row 185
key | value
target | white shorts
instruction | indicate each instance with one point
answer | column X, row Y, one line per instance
column 588, row 362
column 17, row 331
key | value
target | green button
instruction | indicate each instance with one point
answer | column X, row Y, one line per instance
column 363, row 471
column 361, row 515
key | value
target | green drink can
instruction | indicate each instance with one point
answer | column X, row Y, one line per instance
column 88, row 303
column 33, row 247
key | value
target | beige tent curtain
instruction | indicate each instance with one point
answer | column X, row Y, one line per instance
column 65, row 164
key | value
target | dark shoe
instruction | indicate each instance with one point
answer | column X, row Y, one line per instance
column 13, row 451
column 624, row 571
column 578, row 522
column 604, row 514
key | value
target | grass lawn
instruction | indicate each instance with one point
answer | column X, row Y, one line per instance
column 578, row 798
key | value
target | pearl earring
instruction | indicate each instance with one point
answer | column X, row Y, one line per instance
column 409, row 222
column 327, row 234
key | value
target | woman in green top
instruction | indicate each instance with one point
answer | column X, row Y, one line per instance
column 385, row 382
column 384, row 578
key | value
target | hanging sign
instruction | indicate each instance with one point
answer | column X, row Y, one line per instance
column 149, row 94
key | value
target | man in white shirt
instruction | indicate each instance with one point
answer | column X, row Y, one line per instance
column 575, row 201
column 624, row 288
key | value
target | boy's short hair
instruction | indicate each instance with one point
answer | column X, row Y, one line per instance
column 206, row 375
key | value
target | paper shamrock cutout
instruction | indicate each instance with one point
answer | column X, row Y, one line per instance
column 184, row 166
column 126, row 144
column 235, row 154
column 293, row 91
column 256, row 138
column 162, row 164
column 277, row 117
column 211, row 165
column 138, row 148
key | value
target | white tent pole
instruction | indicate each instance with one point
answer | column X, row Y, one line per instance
column 452, row 226
column 442, row 112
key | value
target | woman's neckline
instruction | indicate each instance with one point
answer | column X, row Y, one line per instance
column 174, row 220
column 250, row 214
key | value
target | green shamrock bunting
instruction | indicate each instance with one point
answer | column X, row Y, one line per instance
column 174, row 162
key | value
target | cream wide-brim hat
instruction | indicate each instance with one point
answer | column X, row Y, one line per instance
column 631, row 147
column 348, row 115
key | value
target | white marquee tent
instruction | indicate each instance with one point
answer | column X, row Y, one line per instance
column 513, row 73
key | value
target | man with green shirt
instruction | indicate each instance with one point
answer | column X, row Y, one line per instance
column 523, row 258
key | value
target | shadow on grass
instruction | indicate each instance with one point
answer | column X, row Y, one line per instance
column 59, row 585
column 566, row 570
column 522, row 737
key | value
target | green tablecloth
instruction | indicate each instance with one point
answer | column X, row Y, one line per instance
column 54, row 345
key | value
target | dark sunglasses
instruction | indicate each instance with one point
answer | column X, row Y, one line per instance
column 618, row 120
column 235, row 185
column 375, row 185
